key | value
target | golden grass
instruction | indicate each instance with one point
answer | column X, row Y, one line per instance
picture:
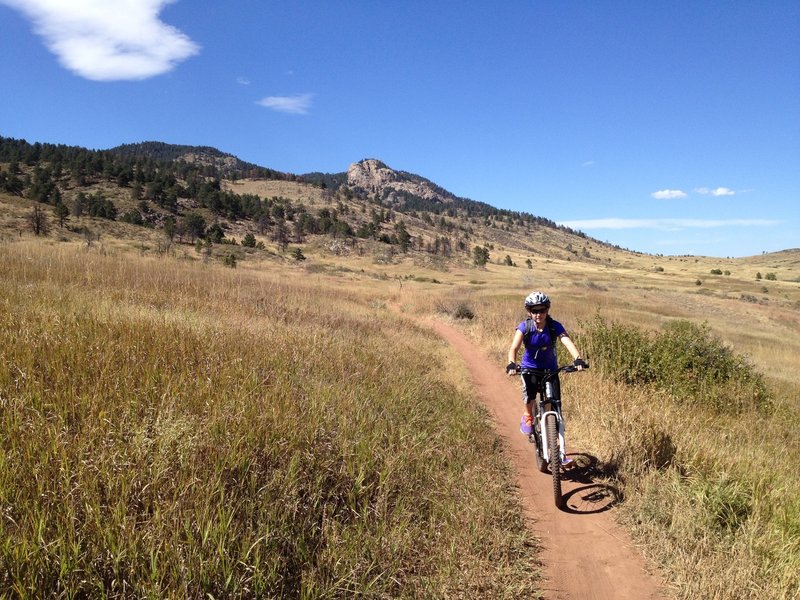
column 177, row 429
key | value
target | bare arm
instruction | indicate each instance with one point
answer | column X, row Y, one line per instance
column 570, row 346
column 515, row 344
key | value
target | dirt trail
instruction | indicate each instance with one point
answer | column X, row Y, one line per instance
column 586, row 556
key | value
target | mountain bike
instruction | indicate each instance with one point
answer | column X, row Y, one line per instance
column 548, row 428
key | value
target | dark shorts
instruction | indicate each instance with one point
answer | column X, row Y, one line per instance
column 530, row 387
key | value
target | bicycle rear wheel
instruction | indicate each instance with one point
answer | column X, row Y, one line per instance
column 551, row 425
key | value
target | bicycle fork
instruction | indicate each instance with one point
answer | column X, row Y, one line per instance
column 543, row 434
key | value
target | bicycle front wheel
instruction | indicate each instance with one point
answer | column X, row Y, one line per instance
column 551, row 424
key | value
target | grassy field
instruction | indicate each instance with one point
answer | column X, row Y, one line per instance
column 174, row 428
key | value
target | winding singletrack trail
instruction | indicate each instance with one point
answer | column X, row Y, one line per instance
column 585, row 556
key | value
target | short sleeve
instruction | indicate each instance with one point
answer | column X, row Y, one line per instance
column 559, row 329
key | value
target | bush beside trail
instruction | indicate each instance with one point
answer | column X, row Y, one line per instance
column 685, row 360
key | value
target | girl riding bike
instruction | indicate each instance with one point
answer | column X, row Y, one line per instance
column 539, row 333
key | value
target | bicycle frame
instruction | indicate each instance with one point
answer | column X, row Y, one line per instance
column 545, row 397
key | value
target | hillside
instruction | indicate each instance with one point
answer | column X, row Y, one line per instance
column 367, row 202
column 163, row 196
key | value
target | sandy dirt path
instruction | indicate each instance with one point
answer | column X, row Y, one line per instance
column 585, row 556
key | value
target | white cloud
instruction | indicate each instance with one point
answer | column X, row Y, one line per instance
column 720, row 191
column 668, row 194
column 108, row 40
column 588, row 163
column 242, row 81
column 665, row 224
column 299, row 104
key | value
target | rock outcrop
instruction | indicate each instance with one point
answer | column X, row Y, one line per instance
column 374, row 177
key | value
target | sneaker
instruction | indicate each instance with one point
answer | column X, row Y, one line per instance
column 526, row 424
column 567, row 463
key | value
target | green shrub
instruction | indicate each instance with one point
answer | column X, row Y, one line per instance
column 690, row 362
column 619, row 351
column 684, row 359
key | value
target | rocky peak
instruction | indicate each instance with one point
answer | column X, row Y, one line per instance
column 373, row 176
column 221, row 161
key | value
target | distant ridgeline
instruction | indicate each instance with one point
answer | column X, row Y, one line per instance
column 156, row 174
column 99, row 163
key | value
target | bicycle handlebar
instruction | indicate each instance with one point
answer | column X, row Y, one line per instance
column 565, row 369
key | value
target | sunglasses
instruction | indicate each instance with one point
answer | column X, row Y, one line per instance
column 537, row 311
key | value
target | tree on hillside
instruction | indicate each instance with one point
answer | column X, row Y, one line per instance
column 169, row 227
column 249, row 240
column 264, row 223
column 480, row 255
column 300, row 228
column 134, row 217
column 215, row 233
column 280, row 235
column 61, row 213
column 194, row 225
column 10, row 183
column 42, row 187
column 403, row 237
column 97, row 205
column 79, row 204
column 38, row 222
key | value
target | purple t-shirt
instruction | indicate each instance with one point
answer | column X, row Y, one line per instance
column 540, row 348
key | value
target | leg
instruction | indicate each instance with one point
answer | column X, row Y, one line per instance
column 529, row 386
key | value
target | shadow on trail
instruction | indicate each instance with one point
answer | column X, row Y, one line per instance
column 592, row 497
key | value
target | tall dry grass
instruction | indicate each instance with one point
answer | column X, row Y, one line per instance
column 711, row 496
column 170, row 429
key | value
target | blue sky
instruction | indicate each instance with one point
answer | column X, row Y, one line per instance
column 664, row 127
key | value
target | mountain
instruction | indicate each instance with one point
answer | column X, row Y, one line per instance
column 369, row 178
column 226, row 165
column 190, row 192
column 200, row 191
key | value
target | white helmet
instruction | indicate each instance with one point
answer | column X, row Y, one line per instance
column 537, row 299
